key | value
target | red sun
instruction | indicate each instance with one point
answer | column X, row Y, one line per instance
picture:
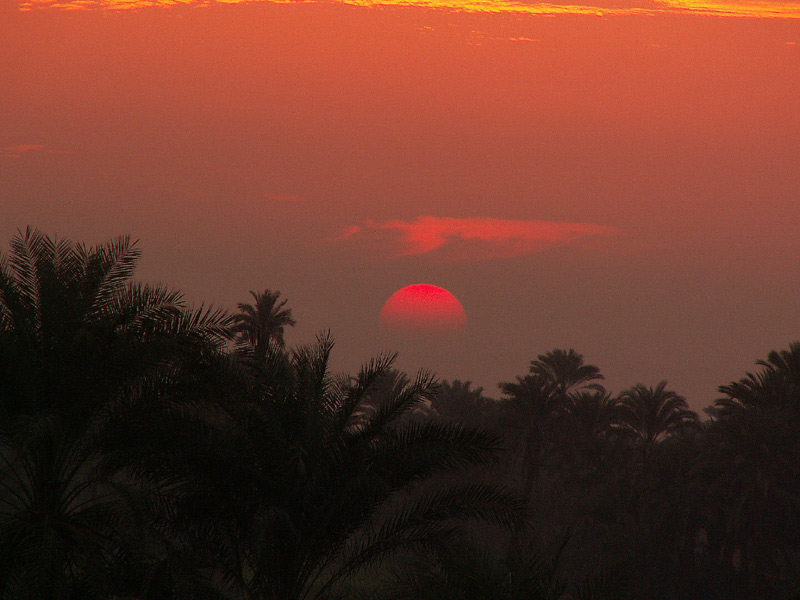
column 423, row 308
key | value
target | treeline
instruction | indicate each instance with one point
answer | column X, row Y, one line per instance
column 151, row 450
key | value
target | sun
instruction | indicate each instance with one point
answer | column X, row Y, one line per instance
column 423, row 308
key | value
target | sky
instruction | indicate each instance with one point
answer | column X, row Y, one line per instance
column 621, row 177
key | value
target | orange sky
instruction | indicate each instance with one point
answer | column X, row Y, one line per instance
column 624, row 184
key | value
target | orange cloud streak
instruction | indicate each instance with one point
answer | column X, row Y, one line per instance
column 20, row 149
column 472, row 239
column 786, row 9
column 17, row 151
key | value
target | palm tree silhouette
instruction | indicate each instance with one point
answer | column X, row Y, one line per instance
column 317, row 487
column 649, row 414
column 589, row 414
column 750, row 470
column 586, row 428
column 459, row 401
column 532, row 403
column 538, row 400
column 753, row 495
column 257, row 325
column 567, row 372
column 777, row 384
column 80, row 347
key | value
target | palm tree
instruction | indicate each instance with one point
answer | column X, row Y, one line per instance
column 316, row 487
column 750, row 467
column 753, row 497
column 459, row 401
column 649, row 414
column 589, row 414
column 567, row 372
column 585, row 435
column 532, row 403
column 80, row 346
column 535, row 402
column 776, row 385
column 264, row 322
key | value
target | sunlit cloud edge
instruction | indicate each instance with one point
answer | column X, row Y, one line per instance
column 759, row 10
column 469, row 239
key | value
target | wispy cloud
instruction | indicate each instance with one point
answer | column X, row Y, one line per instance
column 468, row 239
column 19, row 150
column 781, row 9
column 768, row 9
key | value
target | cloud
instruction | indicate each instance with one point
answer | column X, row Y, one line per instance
column 19, row 150
column 467, row 239
column 767, row 9
column 780, row 9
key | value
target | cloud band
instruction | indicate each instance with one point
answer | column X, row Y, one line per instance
column 470, row 238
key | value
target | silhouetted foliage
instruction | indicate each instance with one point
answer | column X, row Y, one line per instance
column 777, row 385
column 261, row 324
column 537, row 401
column 459, row 401
column 566, row 371
column 649, row 414
column 151, row 450
column 331, row 487
column 80, row 346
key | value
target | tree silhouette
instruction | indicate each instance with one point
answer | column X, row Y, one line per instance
column 532, row 404
column 650, row 414
column 585, row 436
column 317, row 487
column 589, row 414
column 776, row 385
column 751, row 469
column 142, row 456
column 79, row 346
column 753, row 493
column 566, row 371
column 535, row 402
column 257, row 325
column 459, row 401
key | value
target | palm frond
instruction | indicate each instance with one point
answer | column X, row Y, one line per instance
column 25, row 249
column 357, row 389
column 109, row 268
column 418, row 449
column 490, row 503
column 399, row 402
column 7, row 296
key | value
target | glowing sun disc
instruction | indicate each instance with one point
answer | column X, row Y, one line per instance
column 423, row 308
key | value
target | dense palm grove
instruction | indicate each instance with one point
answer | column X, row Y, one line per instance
column 153, row 450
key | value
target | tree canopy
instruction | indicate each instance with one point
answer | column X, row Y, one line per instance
column 154, row 450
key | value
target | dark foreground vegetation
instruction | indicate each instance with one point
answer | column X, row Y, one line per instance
column 152, row 450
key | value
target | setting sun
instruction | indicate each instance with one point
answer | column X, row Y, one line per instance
column 422, row 308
